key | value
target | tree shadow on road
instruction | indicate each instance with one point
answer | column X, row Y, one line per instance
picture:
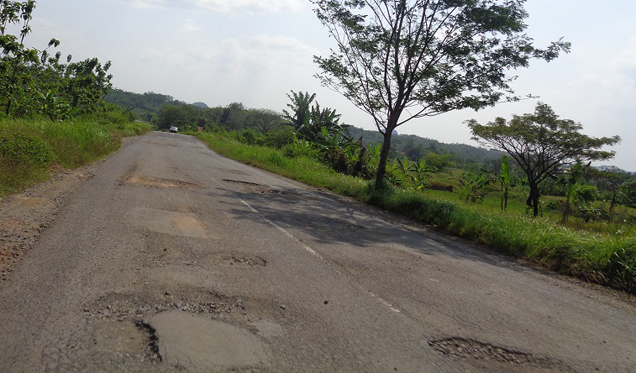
column 328, row 222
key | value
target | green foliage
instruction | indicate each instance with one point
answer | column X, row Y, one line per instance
column 280, row 137
column 29, row 147
column 32, row 82
column 20, row 150
column 300, row 148
column 234, row 117
column 440, row 162
column 145, row 106
column 583, row 196
column 309, row 121
column 300, row 107
column 472, row 185
column 540, row 143
column 628, row 189
column 251, row 137
column 338, row 150
column 319, row 128
column 409, row 174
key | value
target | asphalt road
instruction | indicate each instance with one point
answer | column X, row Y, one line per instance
column 173, row 258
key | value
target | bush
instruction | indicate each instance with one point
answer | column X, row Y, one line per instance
column 628, row 190
column 19, row 150
column 251, row 137
column 440, row 162
column 280, row 137
column 299, row 148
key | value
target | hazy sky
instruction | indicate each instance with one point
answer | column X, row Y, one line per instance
column 256, row 51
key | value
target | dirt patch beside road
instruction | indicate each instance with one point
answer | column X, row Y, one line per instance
column 25, row 215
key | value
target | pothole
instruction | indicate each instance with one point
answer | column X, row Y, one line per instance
column 190, row 342
column 241, row 182
column 236, row 172
column 152, row 341
column 245, row 261
column 329, row 223
column 122, row 307
column 160, row 183
column 276, row 192
column 472, row 349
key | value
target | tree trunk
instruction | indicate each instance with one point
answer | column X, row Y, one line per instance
column 566, row 211
column 612, row 206
column 384, row 156
column 533, row 199
column 505, row 205
column 535, row 202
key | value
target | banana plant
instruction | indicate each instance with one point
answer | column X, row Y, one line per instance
column 418, row 173
column 505, row 182
column 472, row 185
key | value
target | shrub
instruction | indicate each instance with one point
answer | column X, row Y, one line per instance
column 251, row 137
column 280, row 137
column 299, row 148
column 19, row 150
column 628, row 190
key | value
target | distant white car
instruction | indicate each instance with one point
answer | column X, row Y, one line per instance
column 174, row 129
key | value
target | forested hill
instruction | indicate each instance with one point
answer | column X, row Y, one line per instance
column 416, row 147
column 147, row 106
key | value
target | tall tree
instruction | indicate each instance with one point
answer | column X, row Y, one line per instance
column 540, row 143
column 399, row 60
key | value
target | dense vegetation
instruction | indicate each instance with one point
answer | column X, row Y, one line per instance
column 144, row 106
column 35, row 81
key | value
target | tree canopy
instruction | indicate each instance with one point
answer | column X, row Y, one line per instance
column 403, row 59
column 540, row 143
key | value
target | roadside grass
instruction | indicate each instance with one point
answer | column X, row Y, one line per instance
column 608, row 259
column 302, row 168
column 67, row 144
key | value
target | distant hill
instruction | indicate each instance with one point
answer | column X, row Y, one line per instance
column 144, row 105
column 613, row 169
column 416, row 147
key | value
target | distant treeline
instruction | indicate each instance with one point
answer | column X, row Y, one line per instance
column 164, row 111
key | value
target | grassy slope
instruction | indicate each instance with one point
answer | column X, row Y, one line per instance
column 73, row 143
column 604, row 259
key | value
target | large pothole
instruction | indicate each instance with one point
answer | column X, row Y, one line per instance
column 191, row 330
column 160, row 183
column 464, row 348
column 122, row 307
column 241, row 182
column 193, row 342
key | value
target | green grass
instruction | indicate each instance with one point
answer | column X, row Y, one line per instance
column 72, row 143
column 605, row 258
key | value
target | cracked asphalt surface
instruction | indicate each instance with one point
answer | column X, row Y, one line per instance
column 173, row 258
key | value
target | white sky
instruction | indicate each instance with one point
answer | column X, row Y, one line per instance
column 256, row 51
